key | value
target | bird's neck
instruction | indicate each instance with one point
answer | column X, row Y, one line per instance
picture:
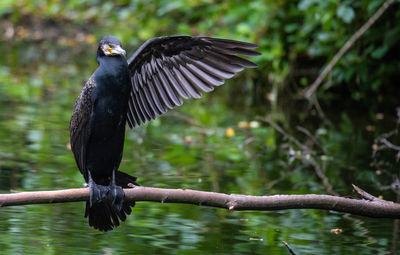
column 111, row 60
column 112, row 75
column 113, row 65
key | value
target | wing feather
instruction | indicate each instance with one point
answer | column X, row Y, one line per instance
column 166, row 69
column 151, row 101
column 79, row 131
column 195, row 81
column 172, row 80
column 191, row 90
column 156, row 97
column 160, row 88
column 133, row 113
column 146, row 103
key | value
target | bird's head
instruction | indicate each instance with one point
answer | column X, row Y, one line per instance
column 110, row 46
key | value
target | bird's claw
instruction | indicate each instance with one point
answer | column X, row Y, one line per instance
column 97, row 193
column 113, row 193
column 116, row 195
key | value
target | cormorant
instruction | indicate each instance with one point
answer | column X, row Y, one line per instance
column 156, row 78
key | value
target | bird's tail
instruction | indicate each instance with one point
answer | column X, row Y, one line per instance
column 123, row 179
column 103, row 214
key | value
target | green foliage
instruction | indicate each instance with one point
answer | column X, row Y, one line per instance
column 219, row 143
column 287, row 31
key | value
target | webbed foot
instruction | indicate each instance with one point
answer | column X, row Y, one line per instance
column 115, row 194
column 97, row 192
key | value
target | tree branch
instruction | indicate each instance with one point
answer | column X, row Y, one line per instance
column 375, row 208
column 310, row 91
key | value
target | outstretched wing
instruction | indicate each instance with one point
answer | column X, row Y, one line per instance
column 166, row 69
column 79, row 125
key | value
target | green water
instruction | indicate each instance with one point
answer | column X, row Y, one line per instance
column 39, row 83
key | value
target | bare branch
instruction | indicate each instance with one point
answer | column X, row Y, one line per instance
column 289, row 248
column 365, row 194
column 306, row 150
column 286, row 135
column 311, row 136
column 390, row 145
column 377, row 209
column 310, row 91
column 320, row 171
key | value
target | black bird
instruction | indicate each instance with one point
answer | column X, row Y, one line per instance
column 156, row 78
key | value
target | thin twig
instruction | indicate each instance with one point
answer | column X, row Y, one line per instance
column 286, row 135
column 289, row 248
column 390, row 145
column 314, row 101
column 365, row 194
column 186, row 118
column 310, row 91
column 319, row 170
column 311, row 136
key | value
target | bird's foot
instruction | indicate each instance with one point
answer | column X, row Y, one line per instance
column 112, row 192
column 116, row 195
column 97, row 192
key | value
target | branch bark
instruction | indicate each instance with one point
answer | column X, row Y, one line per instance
column 374, row 208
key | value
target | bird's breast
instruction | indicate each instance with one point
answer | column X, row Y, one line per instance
column 110, row 98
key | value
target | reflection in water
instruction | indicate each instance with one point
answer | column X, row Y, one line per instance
column 39, row 83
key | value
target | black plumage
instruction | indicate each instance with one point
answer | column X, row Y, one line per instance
column 156, row 78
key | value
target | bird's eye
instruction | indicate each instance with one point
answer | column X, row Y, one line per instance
column 109, row 45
